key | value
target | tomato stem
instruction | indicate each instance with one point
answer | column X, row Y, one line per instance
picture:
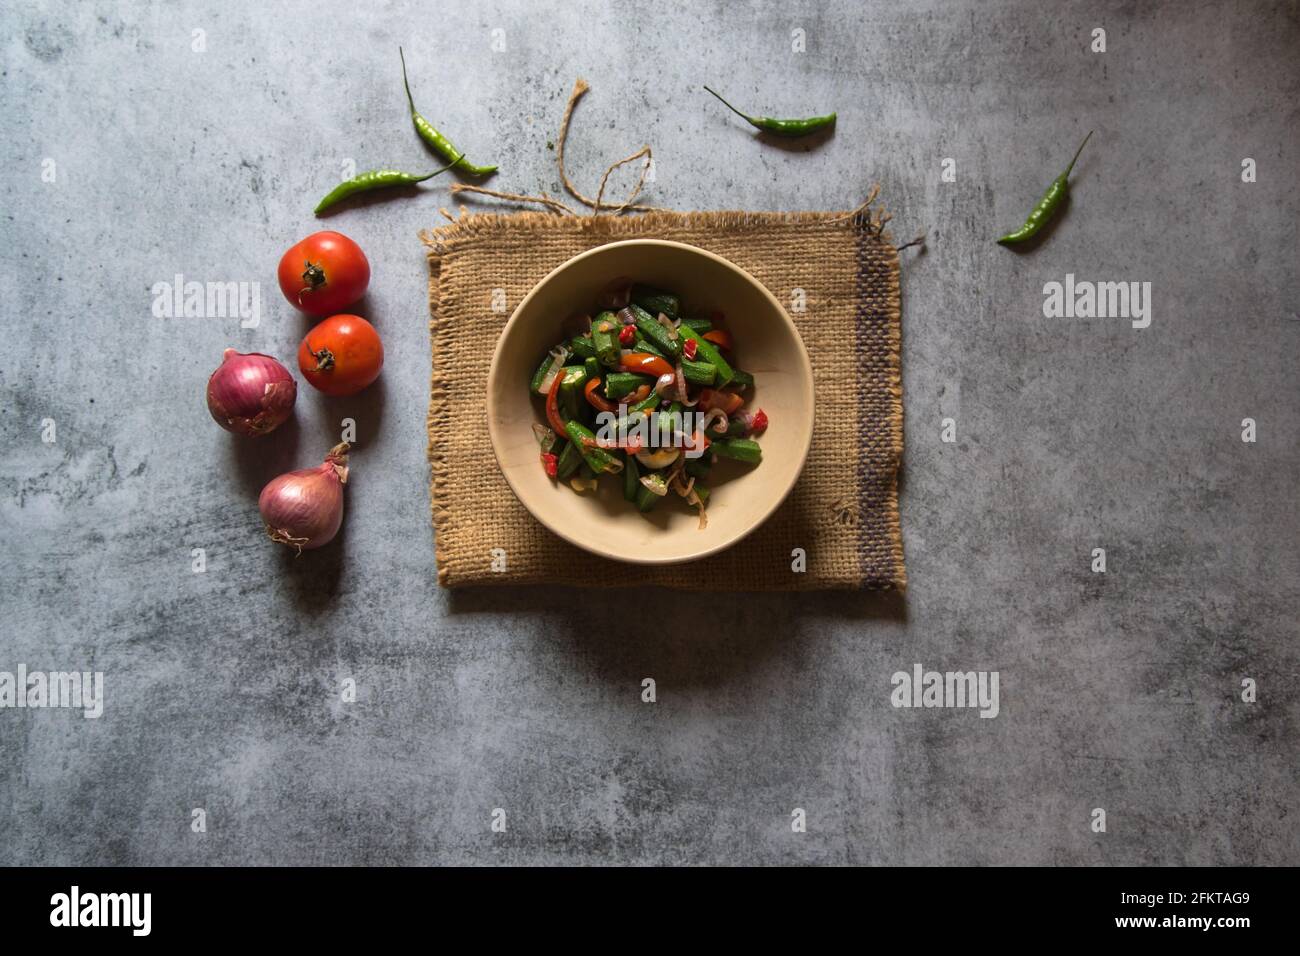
column 324, row 359
column 314, row 276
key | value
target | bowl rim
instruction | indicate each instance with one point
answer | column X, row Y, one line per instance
column 800, row 357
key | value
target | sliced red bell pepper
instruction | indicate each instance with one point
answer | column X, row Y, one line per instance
column 596, row 401
column 553, row 406
column 639, row 396
column 627, row 336
column 719, row 337
column 551, row 462
column 645, row 364
column 689, row 348
column 729, row 402
column 758, row 423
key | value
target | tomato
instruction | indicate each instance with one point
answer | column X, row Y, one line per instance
column 324, row 273
column 341, row 355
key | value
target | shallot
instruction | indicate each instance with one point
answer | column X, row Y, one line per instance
column 304, row 509
column 250, row 394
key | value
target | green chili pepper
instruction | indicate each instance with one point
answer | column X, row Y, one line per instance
column 1048, row 205
column 436, row 139
column 782, row 127
column 372, row 179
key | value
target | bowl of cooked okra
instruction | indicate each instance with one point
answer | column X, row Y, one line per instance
column 650, row 402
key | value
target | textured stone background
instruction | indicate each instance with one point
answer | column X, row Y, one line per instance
column 1118, row 690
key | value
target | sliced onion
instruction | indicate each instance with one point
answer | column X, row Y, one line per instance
column 694, row 498
column 659, row 487
column 667, row 323
column 666, row 381
column 558, row 355
column 682, row 395
column 545, row 436
column 674, row 473
column 715, row 415
column 627, row 316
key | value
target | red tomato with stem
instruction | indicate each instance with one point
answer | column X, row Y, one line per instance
column 341, row 355
column 324, row 273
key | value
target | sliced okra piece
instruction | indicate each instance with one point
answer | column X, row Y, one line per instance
column 631, row 477
column 619, row 384
column 655, row 301
column 651, row 329
column 604, row 336
column 569, row 460
column 571, row 400
column 699, row 373
column 705, row 352
column 582, row 347
column 597, row 458
column 741, row 449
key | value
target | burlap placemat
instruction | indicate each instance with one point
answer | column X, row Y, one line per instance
column 843, row 513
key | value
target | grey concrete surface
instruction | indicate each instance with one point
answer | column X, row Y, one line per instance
column 1119, row 691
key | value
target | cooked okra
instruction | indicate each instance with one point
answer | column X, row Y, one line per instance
column 647, row 395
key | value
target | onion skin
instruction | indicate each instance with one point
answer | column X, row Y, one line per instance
column 250, row 394
column 304, row 509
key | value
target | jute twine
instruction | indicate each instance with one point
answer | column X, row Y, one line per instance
column 580, row 87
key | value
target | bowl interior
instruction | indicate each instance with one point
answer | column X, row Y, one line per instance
column 766, row 345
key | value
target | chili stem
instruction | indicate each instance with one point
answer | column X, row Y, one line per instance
column 406, row 83
column 745, row 117
column 1070, row 168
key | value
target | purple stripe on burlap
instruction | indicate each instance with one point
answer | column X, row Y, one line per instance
column 879, row 445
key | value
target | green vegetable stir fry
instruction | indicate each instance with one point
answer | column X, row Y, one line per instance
column 647, row 394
